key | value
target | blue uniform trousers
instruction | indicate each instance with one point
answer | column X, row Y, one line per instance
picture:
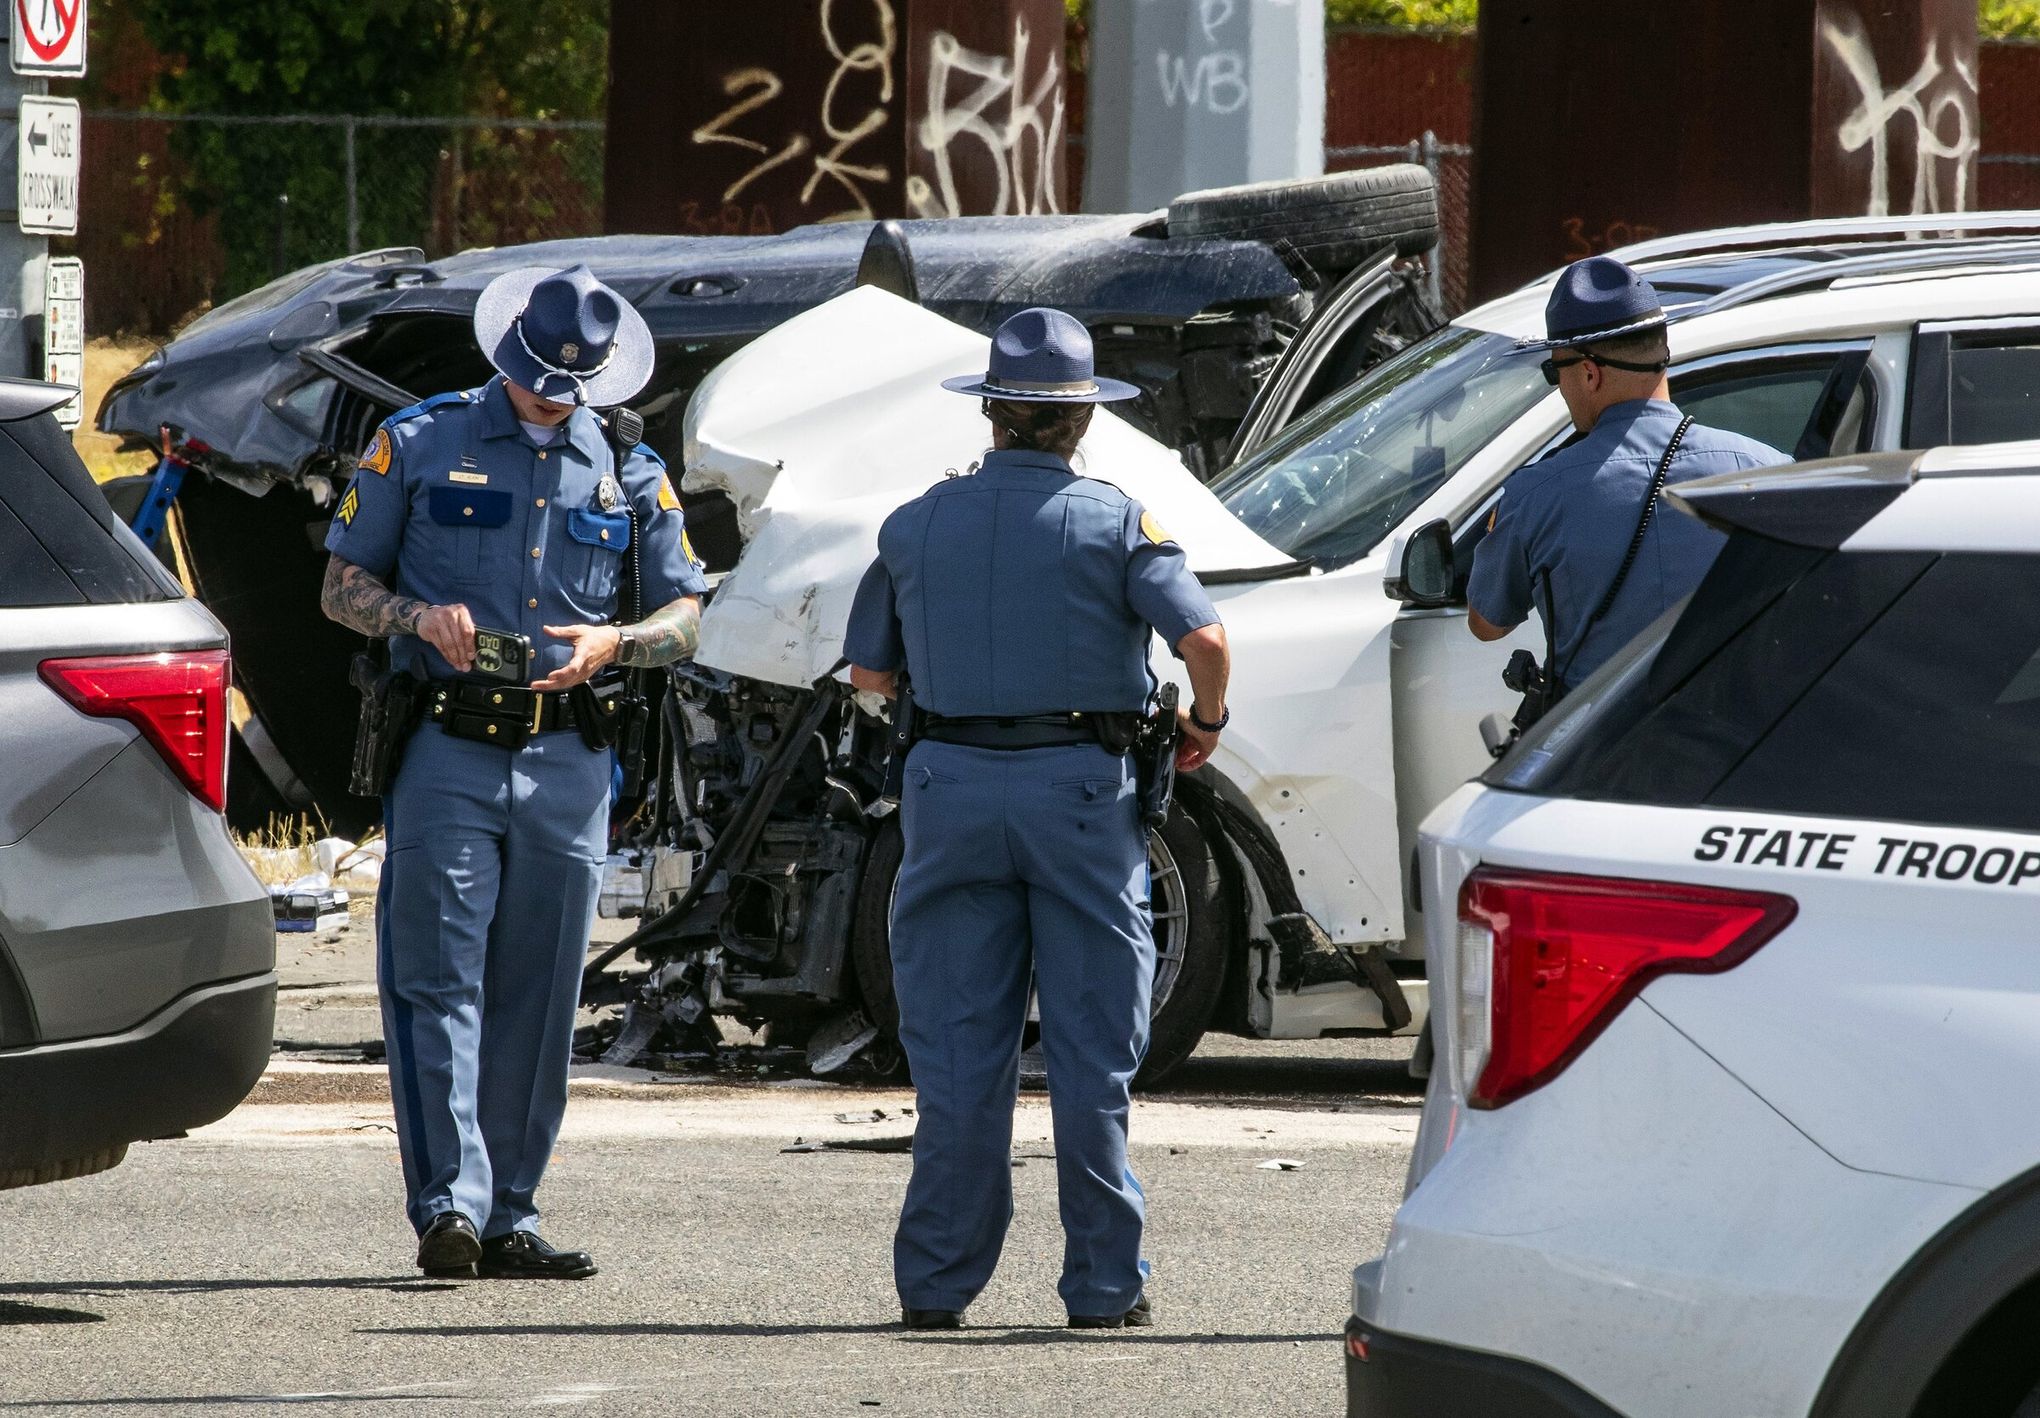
column 482, row 925
column 1016, row 863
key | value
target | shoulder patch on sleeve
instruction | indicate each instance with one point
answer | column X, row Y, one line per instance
column 1151, row 529
column 669, row 500
column 377, row 458
column 349, row 505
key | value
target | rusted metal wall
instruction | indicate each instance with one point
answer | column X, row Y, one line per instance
column 784, row 112
column 1600, row 122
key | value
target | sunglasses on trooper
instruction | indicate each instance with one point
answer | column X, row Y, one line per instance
column 1550, row 366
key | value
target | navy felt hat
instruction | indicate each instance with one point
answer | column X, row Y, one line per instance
column 1042, row 356
column 1597, row 299
column 564, row 335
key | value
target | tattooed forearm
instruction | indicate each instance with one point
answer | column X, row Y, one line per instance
column 360, row 602
column 670, row 633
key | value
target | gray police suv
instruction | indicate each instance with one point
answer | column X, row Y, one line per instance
column 137, row 950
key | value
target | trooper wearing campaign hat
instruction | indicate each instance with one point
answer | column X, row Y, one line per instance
column 503, row 508
column 1576, row 536
column 1018, row 602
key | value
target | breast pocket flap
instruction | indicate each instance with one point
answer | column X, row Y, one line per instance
column 599, row 529
column 468, row 506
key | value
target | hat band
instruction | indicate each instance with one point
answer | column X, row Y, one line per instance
column 579, row 376
column 1632, row 322
column 1038, row 386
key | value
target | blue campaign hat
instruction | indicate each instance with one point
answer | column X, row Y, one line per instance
column 564, row 335
column 1042, row 356
column 1598, row 298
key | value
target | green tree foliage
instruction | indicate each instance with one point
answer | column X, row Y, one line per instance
column 1996, row 19
column 2008, row 19
column 401, row 58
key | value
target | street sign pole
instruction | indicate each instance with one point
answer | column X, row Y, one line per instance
column 22, row 254
column 42, row 300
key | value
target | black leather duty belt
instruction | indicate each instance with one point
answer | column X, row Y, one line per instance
column 503, row 714
column 1025, row 731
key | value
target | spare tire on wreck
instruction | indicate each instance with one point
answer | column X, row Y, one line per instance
column 1335, row 222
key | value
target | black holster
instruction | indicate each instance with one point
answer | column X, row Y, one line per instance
column 1154, row 762
column 906, row 730
column 392, row 702
column 1540, row 689
column 614, row 714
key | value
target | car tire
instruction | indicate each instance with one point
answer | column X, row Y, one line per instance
column 1190, row 937
column 1335, row 222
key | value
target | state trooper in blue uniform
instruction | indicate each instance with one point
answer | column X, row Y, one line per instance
column 1564, row 524
column 1019, row 600
column 501, row 507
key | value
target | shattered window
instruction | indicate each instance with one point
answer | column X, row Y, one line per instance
column 1331, row 486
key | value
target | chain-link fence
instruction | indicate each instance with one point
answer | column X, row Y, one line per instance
column 184, row 209
column 1451, row 167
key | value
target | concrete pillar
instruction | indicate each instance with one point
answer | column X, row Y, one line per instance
column 1186, row 94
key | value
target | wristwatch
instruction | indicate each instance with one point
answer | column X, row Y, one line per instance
column 626, row 646
column 1224, row 718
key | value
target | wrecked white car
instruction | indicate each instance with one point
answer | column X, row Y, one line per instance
column 1281, row 882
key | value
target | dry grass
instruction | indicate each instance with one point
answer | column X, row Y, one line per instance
column 106, row 361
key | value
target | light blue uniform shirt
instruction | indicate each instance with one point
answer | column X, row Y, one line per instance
column 453, row 503
column 1570, row 517
column 1023, row 589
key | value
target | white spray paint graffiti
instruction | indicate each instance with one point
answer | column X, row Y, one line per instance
column 1032, row 132
column 1215, row 80
column 1938, row 102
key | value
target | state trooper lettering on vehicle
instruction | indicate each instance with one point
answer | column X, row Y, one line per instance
column 1800, row 849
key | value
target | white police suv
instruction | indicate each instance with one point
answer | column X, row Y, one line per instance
column 1735, row 971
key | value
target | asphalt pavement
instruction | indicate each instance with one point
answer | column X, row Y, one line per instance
column 264, row 1263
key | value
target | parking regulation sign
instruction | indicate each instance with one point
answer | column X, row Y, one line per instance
column 48, row 36
column 46, row 159
column 64, row 332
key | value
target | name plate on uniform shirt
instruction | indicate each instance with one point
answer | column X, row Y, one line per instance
column 461, row 477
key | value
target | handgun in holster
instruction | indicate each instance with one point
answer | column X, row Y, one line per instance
column 906, row 729
column 392, row 702
column 1155, row 757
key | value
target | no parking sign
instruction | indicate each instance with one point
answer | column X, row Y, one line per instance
column 48, row 36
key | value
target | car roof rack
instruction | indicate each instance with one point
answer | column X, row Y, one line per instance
column 1932, row 259
column 1827, row 231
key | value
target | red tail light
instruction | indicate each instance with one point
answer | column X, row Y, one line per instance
column 177, row 699
column 1570, row 951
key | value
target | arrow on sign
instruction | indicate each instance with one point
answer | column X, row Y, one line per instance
column 38, row 139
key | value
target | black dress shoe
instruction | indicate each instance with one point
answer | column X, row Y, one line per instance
column 1141, row 1316
column 521, row 1255
column 931, row 1319
column 449, row 1246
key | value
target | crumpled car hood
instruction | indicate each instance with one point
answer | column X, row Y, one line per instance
column 819, row 428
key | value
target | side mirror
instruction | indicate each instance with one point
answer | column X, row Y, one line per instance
column 1422, row 574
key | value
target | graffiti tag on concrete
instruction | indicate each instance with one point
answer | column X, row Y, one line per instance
column 1932, row 115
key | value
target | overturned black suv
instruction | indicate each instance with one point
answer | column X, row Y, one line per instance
column 268, row 398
